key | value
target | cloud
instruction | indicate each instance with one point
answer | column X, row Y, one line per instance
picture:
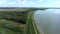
column 49, row 3
column 16, row 3
column 5, row 3
column 30, row 3
column 40, row 0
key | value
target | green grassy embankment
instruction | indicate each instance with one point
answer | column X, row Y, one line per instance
column 30, row 25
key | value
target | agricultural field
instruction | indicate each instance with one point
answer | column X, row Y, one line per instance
column 17, row 22
column 12, row 22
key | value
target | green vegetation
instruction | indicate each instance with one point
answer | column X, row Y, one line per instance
column 30, row 25
column 10, row 21
column 10, row 27
column 19, row 17
column 7, row 25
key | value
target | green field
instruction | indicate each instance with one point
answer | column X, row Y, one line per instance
column 10, row 27
column 10, row 22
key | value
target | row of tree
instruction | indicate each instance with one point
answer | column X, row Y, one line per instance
column 19, row 17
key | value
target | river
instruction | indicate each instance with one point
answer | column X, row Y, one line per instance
column 48, row 21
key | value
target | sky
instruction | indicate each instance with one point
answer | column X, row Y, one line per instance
column 29, row 3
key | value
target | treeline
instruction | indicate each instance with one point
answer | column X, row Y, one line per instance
column 19, row 17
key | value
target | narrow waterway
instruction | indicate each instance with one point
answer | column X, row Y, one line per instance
column 48, row 21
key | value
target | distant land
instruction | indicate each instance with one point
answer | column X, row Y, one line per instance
column 12, row 9
column 20, row 9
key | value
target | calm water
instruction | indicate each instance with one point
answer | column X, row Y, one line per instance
column 48, row 21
